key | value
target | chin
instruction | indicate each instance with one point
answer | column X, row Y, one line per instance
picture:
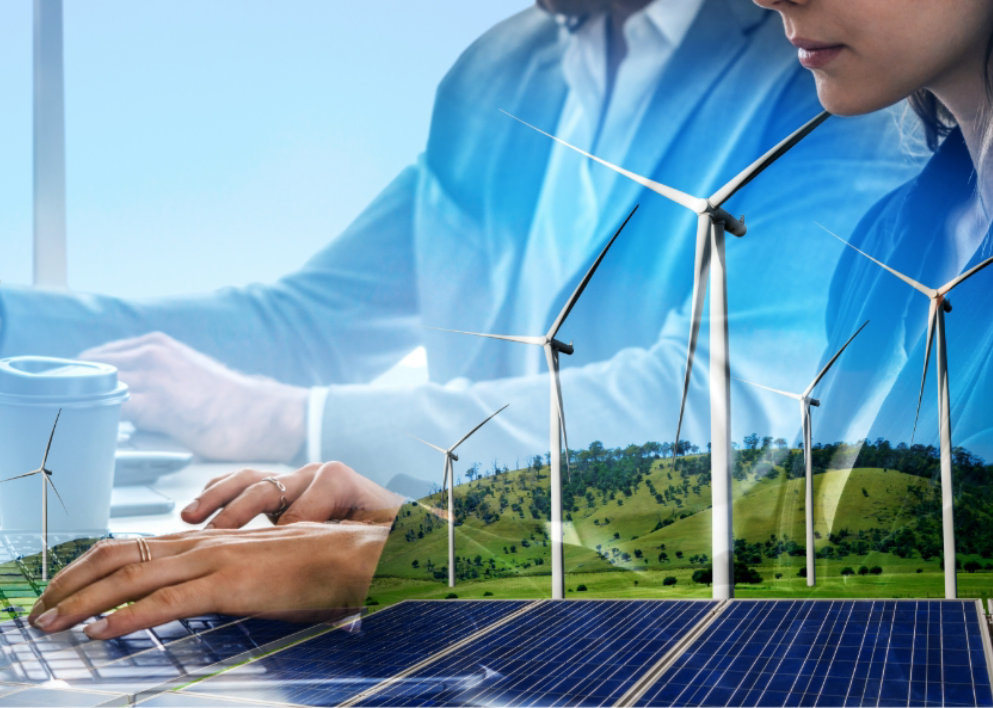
column 846, row 100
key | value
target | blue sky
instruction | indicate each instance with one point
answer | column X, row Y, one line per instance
column 222, row 142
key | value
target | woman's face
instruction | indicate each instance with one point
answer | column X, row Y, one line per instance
column 867, row 54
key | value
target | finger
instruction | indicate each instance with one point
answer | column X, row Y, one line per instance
column 186, row 599
column 103, row 559
column 121, row 345
column 260, row 498
column 128, row 583
column 266, row 498
column 324, row 498
column 143, row 357
column 220, row 492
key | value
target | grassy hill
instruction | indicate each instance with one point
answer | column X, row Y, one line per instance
column 656, row 520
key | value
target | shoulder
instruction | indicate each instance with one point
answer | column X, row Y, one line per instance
column 498, row 58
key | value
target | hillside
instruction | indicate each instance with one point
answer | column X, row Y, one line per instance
column 633, row 510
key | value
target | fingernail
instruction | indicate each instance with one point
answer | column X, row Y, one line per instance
column 210, row 525
column 192, row 506
column 38, row 608
column 46, row 618
column 96, row 628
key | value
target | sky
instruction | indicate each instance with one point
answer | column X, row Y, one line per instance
column 221, row 143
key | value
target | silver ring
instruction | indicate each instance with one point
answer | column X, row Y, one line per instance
column 144, row 554
column 283, row 504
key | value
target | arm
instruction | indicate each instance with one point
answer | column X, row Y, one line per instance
column 347, row 315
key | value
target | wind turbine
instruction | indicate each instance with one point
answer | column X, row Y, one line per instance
column 936, row 331
column 712, row 222
column 806, row 401
column 46, row 479
column 451, row 457
column 557, row 435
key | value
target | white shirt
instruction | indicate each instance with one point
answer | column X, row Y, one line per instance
column 566, row 224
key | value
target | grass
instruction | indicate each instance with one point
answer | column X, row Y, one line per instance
column 770, row 507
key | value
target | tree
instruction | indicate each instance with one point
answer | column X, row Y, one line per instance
column 972, row 566
column 669, row 580
column 876, row 570
column 704, row 576
column 745, row 574
column 863, row 570
column 847, row 570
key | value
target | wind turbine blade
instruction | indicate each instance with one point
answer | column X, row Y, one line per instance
column 586, row 278
column 930, row 292
column 26, row 474
column 955, row 281
column 507, row 337
column 442, row 450
column 701, row 269
column 552, row 357
column 827, row 366
column 55, row 489
column 770, row 388
column 682, row 198
column 756, row 168
column 50, row 437
column 932, row 317
column 466, row 436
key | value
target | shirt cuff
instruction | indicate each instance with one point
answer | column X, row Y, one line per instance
column 315, row 422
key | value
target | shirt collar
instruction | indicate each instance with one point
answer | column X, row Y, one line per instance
column 670, row 18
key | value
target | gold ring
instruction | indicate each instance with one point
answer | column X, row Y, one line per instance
column 144, row 554
column 283, row 504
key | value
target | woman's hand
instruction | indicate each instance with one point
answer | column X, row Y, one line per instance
column 302, row 572
column 317, row 492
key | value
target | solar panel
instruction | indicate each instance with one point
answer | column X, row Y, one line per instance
column 576, row 652
column 339, row 664
column 817, row 652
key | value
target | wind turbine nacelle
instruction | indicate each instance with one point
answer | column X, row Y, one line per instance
column 731, row 224
column 562, row 347
column 453, row 456
column 946, row 303
column 814, row 402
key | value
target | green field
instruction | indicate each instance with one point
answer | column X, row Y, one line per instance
column 624, row 541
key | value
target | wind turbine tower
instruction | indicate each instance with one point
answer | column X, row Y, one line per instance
column 449, row 480
column 936, row 336
column 557, row 435
column 806, row 401
column 712, row 223
column 46, row 479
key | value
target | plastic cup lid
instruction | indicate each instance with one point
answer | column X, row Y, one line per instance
column 46, row 380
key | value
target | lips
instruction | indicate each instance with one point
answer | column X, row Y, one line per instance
column 813, row 54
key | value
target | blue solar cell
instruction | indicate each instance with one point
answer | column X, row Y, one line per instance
column 858, row 652
column 580, row 653
column 332, row 667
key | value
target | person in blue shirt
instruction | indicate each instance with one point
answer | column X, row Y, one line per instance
column 490, row 230
column 470, row 238
column 932, row 228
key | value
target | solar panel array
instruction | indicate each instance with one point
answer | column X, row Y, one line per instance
column 503, row 652
column 835, row 653
column 338, row 665
column 585, row 652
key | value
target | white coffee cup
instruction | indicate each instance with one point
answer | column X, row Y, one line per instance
column 33, row 391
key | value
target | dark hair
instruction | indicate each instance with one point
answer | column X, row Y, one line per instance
column 938, row 121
